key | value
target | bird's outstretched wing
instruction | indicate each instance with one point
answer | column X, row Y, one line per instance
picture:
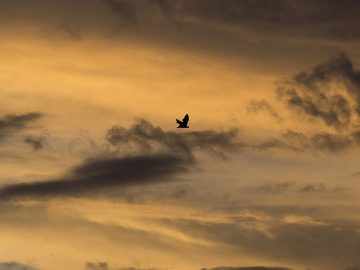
column 186, row 119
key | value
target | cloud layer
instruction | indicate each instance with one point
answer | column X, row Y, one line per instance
column 330, row 92
column 15, row 266
column 12, row 124
column 327, row 95
column 154, row 155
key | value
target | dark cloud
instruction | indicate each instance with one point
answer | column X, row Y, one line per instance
column 97, row 174
column 256, row 106
column 246, row 268
column 97, row 266
column 148, row 138
column 12, row 124
column 197, row 27
column 62, row 31
column 245, row 32
column 274, row 144
column 285, row 187
column 310, row 244
column 330, row 92
column 105, row 266
column 324, row 19
column 276, row 187
column 155, row 155
column 330, row 142
column 299, row 142
column 15, row 266
column 294, row 18
column 314, row 188
column 36, row 142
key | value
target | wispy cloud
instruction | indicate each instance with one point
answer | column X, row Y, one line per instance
column 12, row 124
column 155, row 155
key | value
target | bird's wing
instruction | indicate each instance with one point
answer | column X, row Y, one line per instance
column 186, row 119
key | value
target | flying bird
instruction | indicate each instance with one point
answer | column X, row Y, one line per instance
column 183, row 123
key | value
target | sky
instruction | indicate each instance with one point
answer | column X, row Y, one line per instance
column 95, row 174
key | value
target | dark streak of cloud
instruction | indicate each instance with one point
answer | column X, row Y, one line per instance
column 105, row 266
column 290, row 187
column 330, row 92
column 62, row 31
column 246, row 268
column 157, row 156
column 36, row 142
column 12, row 124
column 256, row 106
column 301, row 242
column 322, row 141
column 292, row 18
column 353, row 267
column 15, row 266
column 97, row 266
column 299, row 142
column 126, row 10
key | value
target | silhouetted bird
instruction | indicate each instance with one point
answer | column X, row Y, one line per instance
column 183, row 123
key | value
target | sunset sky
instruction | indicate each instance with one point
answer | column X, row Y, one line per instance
column 95, row 174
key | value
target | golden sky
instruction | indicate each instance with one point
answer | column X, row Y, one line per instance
column 95, row 174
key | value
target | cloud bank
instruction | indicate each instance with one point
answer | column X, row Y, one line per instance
column 12, row 124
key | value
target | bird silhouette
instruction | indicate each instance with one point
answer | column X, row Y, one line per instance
column 183, row 123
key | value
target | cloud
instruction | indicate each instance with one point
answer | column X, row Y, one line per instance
column 126, row 10
column 246, row 268
column 322, row 141
column 353, row 267
column 155, row 155
column 144, row 136
column 105, row 266
column 15, row 266
column 291, row 187
column 330, row 92
column 256, row 106
column 299, row 142
column 297, row 239
column 247, row 32
column 36, row 142
column 12, row 124
column 293, row 18
column 97, row 266
column 97, row 174
column 276, row 15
